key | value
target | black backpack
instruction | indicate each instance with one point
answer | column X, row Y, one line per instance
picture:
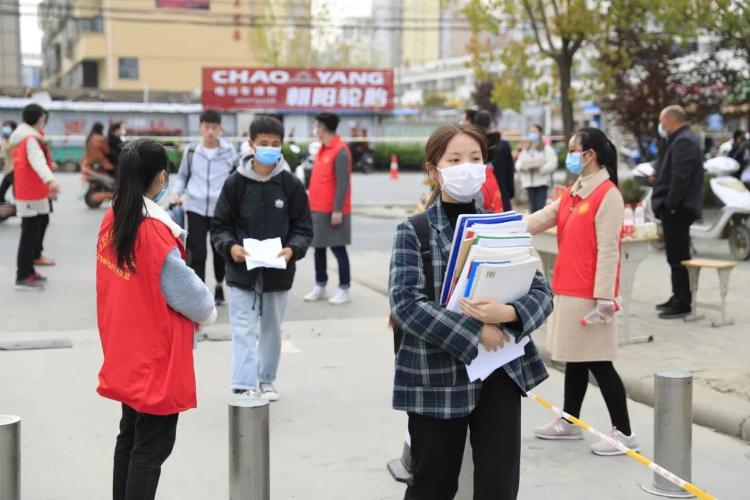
column 422, row 228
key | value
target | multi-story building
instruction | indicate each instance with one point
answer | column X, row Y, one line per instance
column 387, row 18
column 157, row 45
column 10, row 44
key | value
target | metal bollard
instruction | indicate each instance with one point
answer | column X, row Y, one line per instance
column 673, row 430
column 249, row 466
column 10, row 457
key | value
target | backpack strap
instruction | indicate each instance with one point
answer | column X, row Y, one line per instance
column 190, row 153
column 422, row 227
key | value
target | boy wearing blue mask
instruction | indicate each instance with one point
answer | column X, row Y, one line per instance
column 261, row 200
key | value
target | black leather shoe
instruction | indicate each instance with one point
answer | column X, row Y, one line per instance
column 675, row 312
column 665, row 305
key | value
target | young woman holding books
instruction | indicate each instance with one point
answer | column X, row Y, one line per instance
column 431, row 383
column 586, row 282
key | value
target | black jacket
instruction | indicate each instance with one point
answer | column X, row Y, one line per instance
column 251, row 209
column 504, row 168
column 679, row 181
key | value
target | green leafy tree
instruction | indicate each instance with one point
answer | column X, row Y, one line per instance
column 434, row 100
column 534, row 31
column 646, row 61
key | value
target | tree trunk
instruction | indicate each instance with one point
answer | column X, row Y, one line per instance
column 564, row 66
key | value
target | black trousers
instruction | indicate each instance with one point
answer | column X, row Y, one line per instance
column 144, row 443
column 676, row 227
column 610, row 383
column 437, row 446
column 321, row 266
column 5, row 184
column 198, row 229
column 30, row 245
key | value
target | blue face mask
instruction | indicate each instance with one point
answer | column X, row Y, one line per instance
column 267, row 155
column 160, row 195
column 533, row 136
column 573, row 163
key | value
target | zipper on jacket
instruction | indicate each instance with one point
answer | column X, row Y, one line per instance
column 208, row 186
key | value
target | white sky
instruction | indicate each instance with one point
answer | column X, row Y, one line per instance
column 31, row 35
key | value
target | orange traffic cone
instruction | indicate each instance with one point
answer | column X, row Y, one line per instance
column 394, row 167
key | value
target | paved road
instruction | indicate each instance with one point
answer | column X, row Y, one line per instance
column 333, row 430
column 331, row 433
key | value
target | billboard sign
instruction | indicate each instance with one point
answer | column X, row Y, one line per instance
column 303, row 89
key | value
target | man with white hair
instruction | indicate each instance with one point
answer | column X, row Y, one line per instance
column 677, row 201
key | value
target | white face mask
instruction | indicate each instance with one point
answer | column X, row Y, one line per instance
column 463, row 181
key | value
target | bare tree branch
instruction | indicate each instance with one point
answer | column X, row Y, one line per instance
column 534, row 26
column 577, row 44
column 555, row 7
column 546, row 25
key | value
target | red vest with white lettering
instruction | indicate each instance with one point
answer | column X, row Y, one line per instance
column 148, row 346
column 27, row 185
column 575, row 267
column 323, row 182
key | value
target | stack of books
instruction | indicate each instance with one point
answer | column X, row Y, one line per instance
column 490, row 260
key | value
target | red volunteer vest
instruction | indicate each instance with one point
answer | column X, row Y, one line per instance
column 493, row 200
column 323, row 182
column 27, row 183
column 575, row 267
column 148, row 347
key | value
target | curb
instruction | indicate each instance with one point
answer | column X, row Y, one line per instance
column 721, row 412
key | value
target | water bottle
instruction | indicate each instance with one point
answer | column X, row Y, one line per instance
column 640, row 215
column 628, row 220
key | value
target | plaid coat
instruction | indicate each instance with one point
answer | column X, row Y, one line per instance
column 431, row 377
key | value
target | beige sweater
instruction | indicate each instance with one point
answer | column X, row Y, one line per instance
column 608, row 227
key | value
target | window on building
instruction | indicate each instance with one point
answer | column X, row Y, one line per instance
column 92, row 24
column 128, row 68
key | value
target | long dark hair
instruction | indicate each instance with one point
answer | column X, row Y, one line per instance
column 593, row 138
column 438, row 143
column 140, row 162
column 97, row 128
column 113, row 127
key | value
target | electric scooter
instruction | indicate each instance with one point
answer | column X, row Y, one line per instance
column 101, row 185
column 732, row 222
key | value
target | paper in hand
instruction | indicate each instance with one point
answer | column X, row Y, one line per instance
column 263, row 253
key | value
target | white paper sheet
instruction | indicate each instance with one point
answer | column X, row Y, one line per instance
column 487, row 361
column 263, row 253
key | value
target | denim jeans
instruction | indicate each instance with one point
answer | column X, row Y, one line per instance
column 255, row 357
column 537, row 198
column 321, row 266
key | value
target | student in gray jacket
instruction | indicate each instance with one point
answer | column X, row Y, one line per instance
column 204, row 168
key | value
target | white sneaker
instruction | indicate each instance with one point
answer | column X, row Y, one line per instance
column 318, row 293
column 250, row 393
column 559, row 429
column 268, row 392
column 606, row 449
column 341, row 297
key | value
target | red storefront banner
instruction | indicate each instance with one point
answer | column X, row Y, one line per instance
column 183, row 4
column 303, row 89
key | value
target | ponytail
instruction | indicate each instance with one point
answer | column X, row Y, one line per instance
column 606, row 153
column 140, row 162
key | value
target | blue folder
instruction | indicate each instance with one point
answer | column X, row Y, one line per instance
column 465, row 222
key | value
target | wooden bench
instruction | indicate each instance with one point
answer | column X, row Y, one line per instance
column 724, row 269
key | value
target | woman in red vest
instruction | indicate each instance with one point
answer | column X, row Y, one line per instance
column 148, row 304
column 330, row 197
column 586, row 281
column 34, row 187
